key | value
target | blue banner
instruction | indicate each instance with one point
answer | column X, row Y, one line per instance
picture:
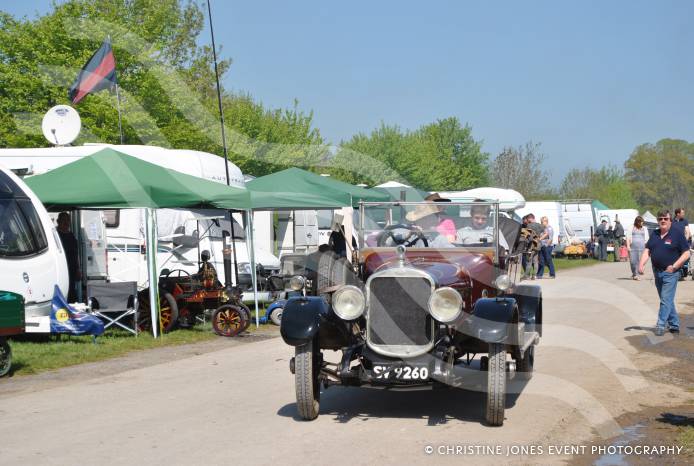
column 65, row 319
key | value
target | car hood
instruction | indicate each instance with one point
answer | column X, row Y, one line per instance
column 447, row 267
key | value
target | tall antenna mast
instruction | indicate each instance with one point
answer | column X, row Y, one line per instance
column 224, row 142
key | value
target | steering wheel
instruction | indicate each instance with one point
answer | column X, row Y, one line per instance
column 181, row 273
column 415, row 234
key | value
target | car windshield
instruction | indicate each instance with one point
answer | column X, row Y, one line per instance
column 429, row 224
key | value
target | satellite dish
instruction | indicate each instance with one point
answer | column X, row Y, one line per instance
column 61, row 125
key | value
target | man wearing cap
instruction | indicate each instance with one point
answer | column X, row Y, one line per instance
column 668, row 251
column 601, row 233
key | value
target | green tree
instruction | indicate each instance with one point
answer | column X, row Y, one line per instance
column 606, row 184
column 440, row 156
column 166, row 81
column 661, row 175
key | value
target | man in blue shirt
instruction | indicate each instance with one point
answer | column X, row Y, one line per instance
column 668, row 250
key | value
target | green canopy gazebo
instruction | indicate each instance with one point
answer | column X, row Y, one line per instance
column 110, row 179
column 297, row 189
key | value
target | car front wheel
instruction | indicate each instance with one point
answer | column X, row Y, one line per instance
column 496, row 384
column 307, row 363
column 5, row 357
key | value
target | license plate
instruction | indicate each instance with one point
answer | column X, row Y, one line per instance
column 400, row 372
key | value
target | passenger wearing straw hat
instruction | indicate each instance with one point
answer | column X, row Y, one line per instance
column 429, row 217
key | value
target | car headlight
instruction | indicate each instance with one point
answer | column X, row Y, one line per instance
column 502, row 282
column 348, row 302
column 445, row 304
column 297, row 283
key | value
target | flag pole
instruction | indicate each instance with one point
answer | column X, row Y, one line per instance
column 120, row 124
column 224, row 145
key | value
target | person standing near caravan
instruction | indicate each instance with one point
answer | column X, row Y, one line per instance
column 618, row 238
column 601, row 233
column 636, row 243
column 546, row 249
column 70, row 247
column 668, row 251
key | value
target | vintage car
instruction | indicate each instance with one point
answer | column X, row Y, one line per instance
column 437, row 289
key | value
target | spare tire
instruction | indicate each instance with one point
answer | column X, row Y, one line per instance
column 333, row 271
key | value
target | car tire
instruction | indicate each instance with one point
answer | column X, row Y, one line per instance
column 276, row 315
column 5, row 357
column 496, row 384
column 525, row 366
column 307, row 363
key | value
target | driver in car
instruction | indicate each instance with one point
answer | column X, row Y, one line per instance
column 438, row 230
column 480, row 231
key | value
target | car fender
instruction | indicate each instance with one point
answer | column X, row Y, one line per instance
column 301, row 319
column 491, row 319
column 529, row 299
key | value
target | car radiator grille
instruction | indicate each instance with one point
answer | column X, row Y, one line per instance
column 398, row 312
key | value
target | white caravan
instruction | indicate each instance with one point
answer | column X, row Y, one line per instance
column 509, row 200
column 176, row 228
column 32, row 261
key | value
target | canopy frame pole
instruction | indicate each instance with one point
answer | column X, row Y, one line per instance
column 251, row 255
column 151, row 255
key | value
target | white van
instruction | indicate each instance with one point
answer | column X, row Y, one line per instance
column 579, row 219
column 32, row 261
column 125, row 227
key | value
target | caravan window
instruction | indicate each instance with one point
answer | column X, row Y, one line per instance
column 325, row 219
column 112, row 218
column 21, row 232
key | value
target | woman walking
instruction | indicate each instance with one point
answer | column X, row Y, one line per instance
column 546, row 249
column 636, row 243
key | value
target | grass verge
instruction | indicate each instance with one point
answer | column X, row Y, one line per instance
column 562, row 263
column 31, row 355
column 34, row 354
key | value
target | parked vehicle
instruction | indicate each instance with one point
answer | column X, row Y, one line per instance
column 11, row 323
column 580, row 218
column 184, row 298
column 32, row 259
column 297, row 278
column 417, row 308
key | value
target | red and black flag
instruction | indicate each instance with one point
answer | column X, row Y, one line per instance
column 99, row 73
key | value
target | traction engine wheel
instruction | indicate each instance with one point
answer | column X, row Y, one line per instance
column 230, row 320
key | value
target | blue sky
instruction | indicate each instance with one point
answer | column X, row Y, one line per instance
column 589, row 80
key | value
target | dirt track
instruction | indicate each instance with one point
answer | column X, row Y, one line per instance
column 235, row 405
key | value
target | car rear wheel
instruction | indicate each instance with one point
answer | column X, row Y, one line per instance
column 307, row 363
column 524, row 366
column 5, row 357
column 496, row 384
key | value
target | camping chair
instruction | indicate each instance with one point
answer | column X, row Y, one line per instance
column 114, row 303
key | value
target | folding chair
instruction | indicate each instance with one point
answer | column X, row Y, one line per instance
column 114, row 303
